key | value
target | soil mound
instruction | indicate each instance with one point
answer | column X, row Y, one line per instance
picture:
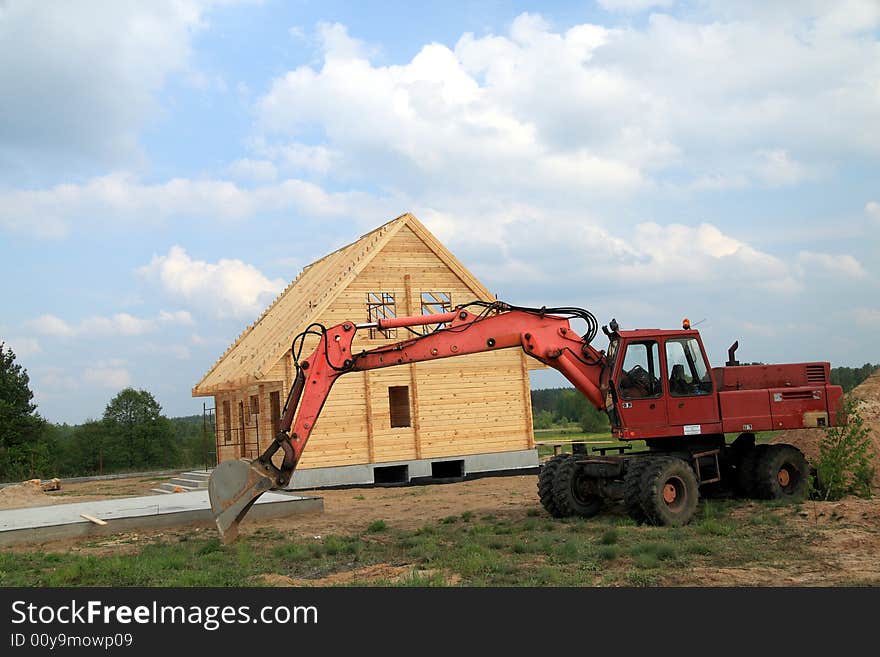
column 28, row 493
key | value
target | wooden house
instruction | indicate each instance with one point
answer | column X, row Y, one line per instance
column 443, row 419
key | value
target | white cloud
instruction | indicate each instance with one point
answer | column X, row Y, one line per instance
column 835, row 264
column 107, row 377
column 53, row 379
column 248, row 169
column 178, row 351
column 528, row 246
column 633, row 6
column 80, row 80
column 51, row 325
column 701, row 255
column 23, row 346
column 121, row 197
column 592, row 111
column 176, row 317
column 227, row 288
column 300, row 157
column 869, row 317
column 872, row 209
column 431, row 117
column 98, row 326
column 777, row 169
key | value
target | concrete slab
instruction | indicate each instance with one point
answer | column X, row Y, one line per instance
column 45, row 523
column 416, row 469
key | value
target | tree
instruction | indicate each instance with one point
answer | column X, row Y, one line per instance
column 844, row 463
column 135, row 418
column 23, row 452
column 849, row 377
column 594, row 421
column 94, row 449
column 543, row 419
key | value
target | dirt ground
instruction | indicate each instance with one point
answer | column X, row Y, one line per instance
column 843, row 537
column 845, row 542
column 23, row 495
column 845, row 534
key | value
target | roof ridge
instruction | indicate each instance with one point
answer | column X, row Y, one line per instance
column 367, row 241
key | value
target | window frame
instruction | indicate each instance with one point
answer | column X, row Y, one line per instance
column 381, row 305
column 651, row 362
column 439, row 306
column 227, row 422
column 397, row 419
column 705, row 385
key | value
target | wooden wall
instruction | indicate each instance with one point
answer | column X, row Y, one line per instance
column 465, row 405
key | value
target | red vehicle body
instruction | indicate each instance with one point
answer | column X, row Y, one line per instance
column 734, row 399
column 655, row 385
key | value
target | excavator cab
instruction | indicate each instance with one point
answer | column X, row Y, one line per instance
column 660, row 384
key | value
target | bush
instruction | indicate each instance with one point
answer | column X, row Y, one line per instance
column 543, row 420
column 844, row 463
column 594, row 421
column 609, row 537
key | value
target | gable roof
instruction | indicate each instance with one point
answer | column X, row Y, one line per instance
column 262, row 344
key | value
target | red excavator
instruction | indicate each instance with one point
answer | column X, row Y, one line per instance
column 655, row 385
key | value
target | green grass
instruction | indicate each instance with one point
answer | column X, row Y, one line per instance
column 504, row 549
column 610, row 536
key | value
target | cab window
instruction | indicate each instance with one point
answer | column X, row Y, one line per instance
column 640, row 372
column 686, row 369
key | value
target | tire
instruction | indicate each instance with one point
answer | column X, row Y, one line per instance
column 781, row 473
column 569, row 492
column 545, row 484
column 632, row 488
column 746, row 471
column 669, row 492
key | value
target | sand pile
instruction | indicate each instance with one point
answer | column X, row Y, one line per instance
column 28, row 493
column 867, row 396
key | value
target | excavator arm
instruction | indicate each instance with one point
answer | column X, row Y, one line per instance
column 544, row 334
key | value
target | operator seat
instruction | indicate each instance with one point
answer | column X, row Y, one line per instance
column 678, row 385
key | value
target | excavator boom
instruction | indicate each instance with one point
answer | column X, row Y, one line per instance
column 544, row 334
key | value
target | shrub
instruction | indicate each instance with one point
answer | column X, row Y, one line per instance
column 609, row 552
column 377, row 526
column 609, row 537
column 843, row 466
column 594, row 421
column 543, row 420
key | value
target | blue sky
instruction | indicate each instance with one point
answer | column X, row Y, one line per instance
column 167, row 167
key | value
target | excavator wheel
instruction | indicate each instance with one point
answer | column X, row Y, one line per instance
column 632, row 488
column 781, row 473
column 572, row 493
column 746, row 471
column 545, row 484
column 669, row 492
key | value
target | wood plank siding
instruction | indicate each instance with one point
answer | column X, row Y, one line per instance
column 457, row 406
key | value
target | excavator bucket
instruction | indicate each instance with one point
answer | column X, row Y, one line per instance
column 233, row 488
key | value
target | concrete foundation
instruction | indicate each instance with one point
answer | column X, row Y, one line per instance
column 415, row 470
column 47, row 523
